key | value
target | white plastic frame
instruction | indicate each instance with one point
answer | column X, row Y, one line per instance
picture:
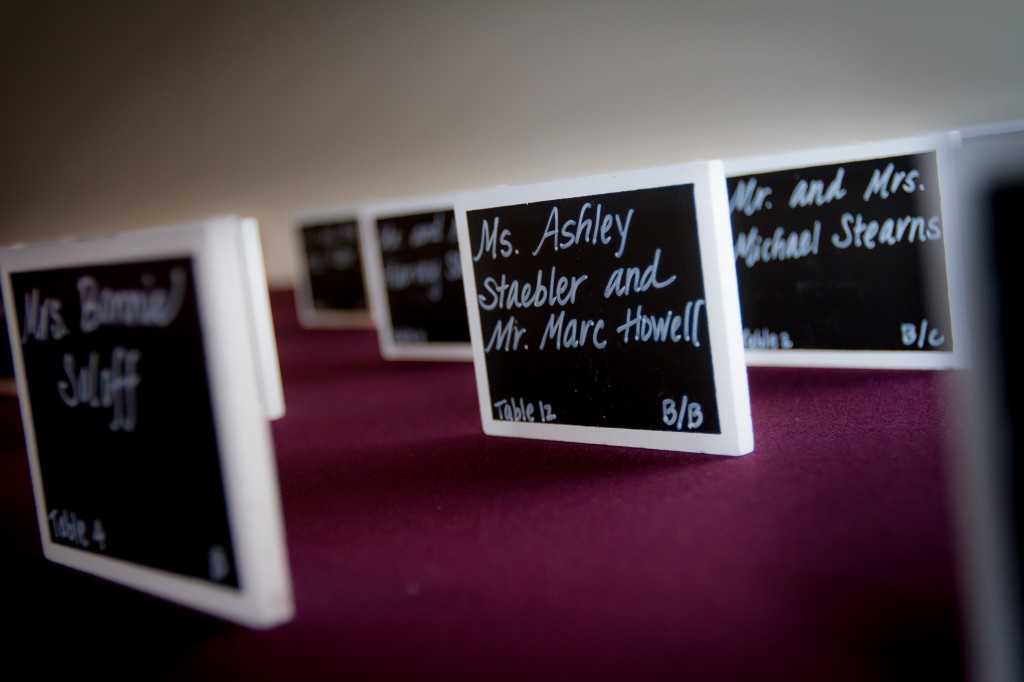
column 222, row 267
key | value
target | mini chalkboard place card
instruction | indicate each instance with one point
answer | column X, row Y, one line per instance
column 850, row 256
column 414, row 274
column 604, row 310
column 330, row 286
column 144, row 409
column 989, row 469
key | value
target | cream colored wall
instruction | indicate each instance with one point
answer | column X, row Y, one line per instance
column 136, row 114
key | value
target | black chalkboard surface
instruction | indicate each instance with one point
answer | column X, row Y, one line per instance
column 330, row 289
column 137, row 371
column 1006, row 201
column 841, row 255
column 114, row 367
column 601, row 311
column 416, row 280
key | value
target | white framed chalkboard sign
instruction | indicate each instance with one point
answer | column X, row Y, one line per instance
column 138, row 365
column 414, row 278
column 330, row 285
column 988, row 479
column 604, row 310
column 850, row 256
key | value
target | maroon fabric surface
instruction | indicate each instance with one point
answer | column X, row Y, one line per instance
column 421, row 548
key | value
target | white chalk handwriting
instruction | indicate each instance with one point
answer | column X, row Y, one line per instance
column 112, row 387
column 586, row 230
column 150, row 306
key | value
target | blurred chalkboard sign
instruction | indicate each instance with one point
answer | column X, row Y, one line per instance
column 988, row 469
column 847, row 256
column 138, row 366
column 415, row 280
column 330, row 289
column 604, row 310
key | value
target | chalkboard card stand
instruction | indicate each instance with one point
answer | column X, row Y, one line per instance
column 414, row 278
column 604, row 310
column 988, row 465
column 330, row 281
column 142, row 347
column 819, row 288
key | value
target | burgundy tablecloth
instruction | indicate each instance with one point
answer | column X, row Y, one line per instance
column 422, row 549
